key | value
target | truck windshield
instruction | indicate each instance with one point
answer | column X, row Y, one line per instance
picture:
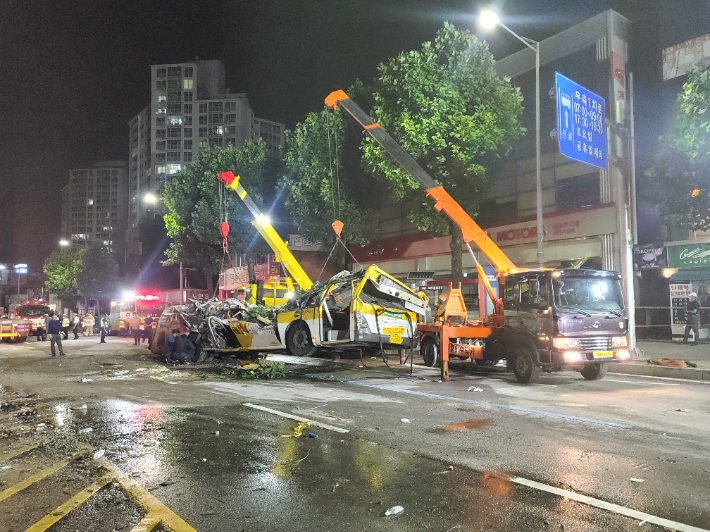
column 586, row 293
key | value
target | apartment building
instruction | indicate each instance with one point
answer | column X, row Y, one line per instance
column 95, row 206
column 190, row 111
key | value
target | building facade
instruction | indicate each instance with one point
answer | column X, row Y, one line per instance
column 190, row 111
column 95, row 205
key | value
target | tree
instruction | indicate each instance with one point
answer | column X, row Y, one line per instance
column 197, row 203
column 447, row 107
column 97, row 273
column 327, row 181
column 61, row 269
column 681, row 172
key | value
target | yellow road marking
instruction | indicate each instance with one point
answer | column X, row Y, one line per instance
column 35, row 478
column 12, row 454
column 148, row 523
column 62, row 510
column 148, row 501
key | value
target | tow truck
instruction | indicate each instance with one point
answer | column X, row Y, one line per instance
column 369, row 310
column 546, row 320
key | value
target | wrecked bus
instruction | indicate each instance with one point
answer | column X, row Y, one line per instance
column 368, row 310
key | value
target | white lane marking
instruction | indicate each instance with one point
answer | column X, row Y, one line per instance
column 645, row 383
column 676, row 379
column 611, row 507
column 297, row 418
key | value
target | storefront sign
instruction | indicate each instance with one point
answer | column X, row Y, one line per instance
column 650, row 257
column 590, row 222
column 689, row 255
column 679, row 300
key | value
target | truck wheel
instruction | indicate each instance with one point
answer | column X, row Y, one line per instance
column 298, row 340
column 524, row 367
column 429, row 351
column 594, row 372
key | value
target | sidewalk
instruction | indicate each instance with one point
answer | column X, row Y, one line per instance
column 652, row 349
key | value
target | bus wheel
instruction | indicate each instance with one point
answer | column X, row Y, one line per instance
column 298, row 340
column 429, row 351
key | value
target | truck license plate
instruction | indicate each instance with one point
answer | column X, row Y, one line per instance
column 603, row 354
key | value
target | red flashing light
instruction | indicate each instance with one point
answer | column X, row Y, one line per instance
column 147, row 297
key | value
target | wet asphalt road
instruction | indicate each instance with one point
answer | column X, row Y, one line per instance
column 223, row 465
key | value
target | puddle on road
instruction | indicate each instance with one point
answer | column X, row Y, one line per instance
column 471, row 424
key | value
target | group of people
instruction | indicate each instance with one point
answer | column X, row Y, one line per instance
column 178, row 348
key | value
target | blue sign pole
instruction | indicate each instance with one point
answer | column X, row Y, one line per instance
column 581, row 127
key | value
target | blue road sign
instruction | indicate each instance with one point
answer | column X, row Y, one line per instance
column 581, row 129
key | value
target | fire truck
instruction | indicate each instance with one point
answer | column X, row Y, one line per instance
column 543, row 319
column 143, row 303
column 34, row 311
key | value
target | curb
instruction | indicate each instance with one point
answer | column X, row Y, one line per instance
column 651, row 370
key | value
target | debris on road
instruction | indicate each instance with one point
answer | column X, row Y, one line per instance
column 639, row 480
column 310, row 435
column 472, row 424
column 405, row 420
column 474, row 389
column 86, row 430
column 394, row 510
column 668, row 362
column 98, row 454
column 84, row 379
column 82, row 407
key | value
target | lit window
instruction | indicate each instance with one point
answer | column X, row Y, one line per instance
column 173, row 168
column 203, row 144
column 160, row 110
column 91, row 202
column 174, row 120
column 161, row 97
column 216, row 130
column 187, row 84
column 160, row 169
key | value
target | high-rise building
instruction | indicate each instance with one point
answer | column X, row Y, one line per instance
column 95, row 205
column 190, row 111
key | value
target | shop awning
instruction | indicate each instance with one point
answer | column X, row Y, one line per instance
column 696, row 274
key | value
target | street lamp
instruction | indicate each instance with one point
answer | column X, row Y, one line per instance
column 489, row 19
column 20, row 269
column 63, row 242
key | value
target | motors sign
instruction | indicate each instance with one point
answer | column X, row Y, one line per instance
column 689, row 255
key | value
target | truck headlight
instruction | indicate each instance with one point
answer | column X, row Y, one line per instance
column 565, row 343
column 573, row 356
column 618, row 341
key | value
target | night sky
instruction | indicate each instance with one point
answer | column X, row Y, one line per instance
column 72, row 74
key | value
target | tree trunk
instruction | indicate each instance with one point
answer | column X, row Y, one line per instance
column 456, row 256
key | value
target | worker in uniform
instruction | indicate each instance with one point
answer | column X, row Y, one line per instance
column 135, row 323
column 104, row 328
column 65, row 326
column 89, row 324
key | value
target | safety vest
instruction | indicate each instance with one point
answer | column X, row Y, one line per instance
column 65, row 321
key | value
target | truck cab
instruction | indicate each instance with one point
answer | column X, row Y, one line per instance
column 563, row 319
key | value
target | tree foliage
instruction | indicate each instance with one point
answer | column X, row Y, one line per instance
column 197, row 202
column 681, row 172
column 447, row 107
column 61, row 269
column 327, row 181
column 97, row 273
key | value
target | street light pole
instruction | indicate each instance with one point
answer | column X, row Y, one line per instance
column 490, row 19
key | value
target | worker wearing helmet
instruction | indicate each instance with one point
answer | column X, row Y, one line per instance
column 692, row 318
